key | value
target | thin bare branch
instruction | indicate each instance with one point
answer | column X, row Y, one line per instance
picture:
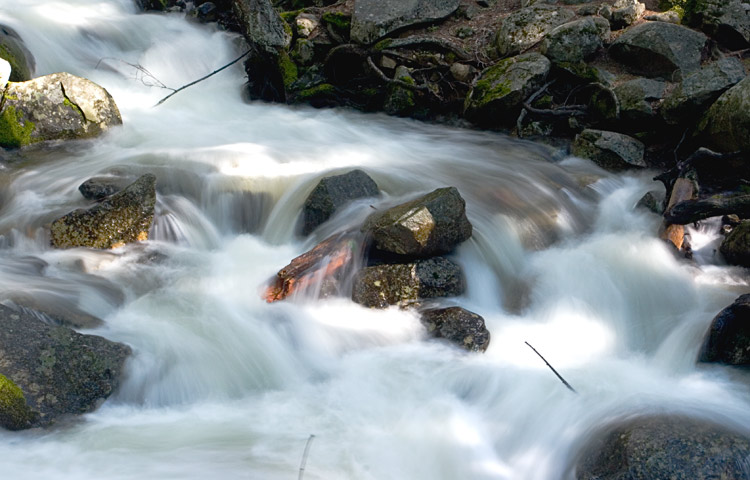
column 552, row 368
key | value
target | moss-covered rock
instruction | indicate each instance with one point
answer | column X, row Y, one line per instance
column 610, row 150
column 13, row 50
column 639, row 99
column 15, row 414
column 728, row 338
column 400, row 99
column 374, row 19
column 573, row 41
column 736, row 245
column 459, row 326
column 525, row 27
column 122, row 218
column 726, row 125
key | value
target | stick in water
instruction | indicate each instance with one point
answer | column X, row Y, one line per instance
column 304, row 457
column 552, row 368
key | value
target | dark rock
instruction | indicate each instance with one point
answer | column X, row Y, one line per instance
column 122, row 218
column 638, row 101
column 430, row 225
column 726, row 125
column 262, row 25
column 700, row 89
column 625, row 13
column 665, row 447
column 60, row 106
column 457, row 325
column 207, row 12
column 650, row 202
column 728, row 339
column 525, row 27
column 736, row 245
column 97, row 188
column 499, row 91
column 727, row 21
column 610, row 150
column 374, row 19
column 14, row 51
column 402, row 284
column 657, row 49
column 332, row 193
column 54, row 369
column 573, row 41
column 400, row 99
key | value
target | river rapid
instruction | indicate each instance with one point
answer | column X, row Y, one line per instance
column 223, row 385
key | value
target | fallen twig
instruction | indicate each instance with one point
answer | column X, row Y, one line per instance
column 304, row 457
column 385, row 78
column 552, row 368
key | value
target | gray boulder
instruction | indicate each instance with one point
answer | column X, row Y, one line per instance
column 726, row 125
column 670, row 16
column 736, row 245
column 610, row 150
column 119, row 219
column 727, row 21
column 639, row 99
column 499, row 91
column 60, row 106
column 430, row 225
column 14, row 51
column 374, row 19
column 261, row 24
column 665, row 447
column 659, row 50
column 332, row 193
column 47, row 371
column 527, row 26
column 573, row 41
column 700, row 89
column 728, row 339
column 402, row 284
column 457, row 325
column 625, row 13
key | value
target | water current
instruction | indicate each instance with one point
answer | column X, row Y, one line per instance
column 223, row 385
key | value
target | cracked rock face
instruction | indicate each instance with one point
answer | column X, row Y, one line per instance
column 60, row 106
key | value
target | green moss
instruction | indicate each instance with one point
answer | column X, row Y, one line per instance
column 338, row 20
column 291, row 16
column 14, row 413
column 13, row 133
column 493, row 83
column 316, row 91
column 288, row 70
column 383, row 45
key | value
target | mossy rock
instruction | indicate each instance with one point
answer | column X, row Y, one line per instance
column 726, row 125
column 13, row 50
column 736, row 245
column 525, row 27
column 15, row 414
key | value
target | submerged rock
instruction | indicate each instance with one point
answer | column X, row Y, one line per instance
column 121, row 218
column 433, row 224
column 53, row 370
column 610, row 150
column 459, row 326
column 527, row 26
column 332, row 193
column 728, row 339
column 665, row 447
column 97, row 188
column 374, row 19
column 60, row 106
column 401, row 284
column 726, row 125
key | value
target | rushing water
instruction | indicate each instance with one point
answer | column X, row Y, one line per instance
column 223, row 385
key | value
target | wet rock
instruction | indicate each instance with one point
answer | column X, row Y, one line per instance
column 207, row 12
column 55, row 370
column 728, row 339
column 661, row 447
column 53, row 310
column 659, row 50
column 430, row 225
column 736, row 245
column 499, row 91
column 726, row 125
column 332, row 193
column 374, row 19
column 625, row 13
column 13, row 50
column 573, row 41
column 60, row 106
column 402, row 284
column 700, row 89
column 458, row 325
column 650, row 202
column 610, row 150
column 639, row 99
column 97, row 188
column 527, row 26
column 727, row 21
column 121, row 218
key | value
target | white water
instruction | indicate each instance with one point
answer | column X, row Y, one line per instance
column 223, row 385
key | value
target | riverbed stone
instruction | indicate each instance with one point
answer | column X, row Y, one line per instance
column 573, row 41
column 726, row 21
column 700, row 89
column 659, row 50
column 13, row 49
column 374, row 19
column 665, row 447
column 459, row 326
column 610, row 150
column 433, row 224
column 726, row 126
column 403, row 284
column 332, row 193
column 59, row 106
column 53, row 369
column 736, row 245
column 527, row 26
column 122, row 218
column 499, row 91
column 639, row 99
column 728, row 338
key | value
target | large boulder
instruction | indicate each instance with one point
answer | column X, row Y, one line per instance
column 728, row 339
column 638, row 100
column 700, row 89
column 374, row 19
column 13, row 50
column 726, row 125
column 660, row 50
column 610, row 150
column 332, row 193
column 60, row 106
column 459, row 326
column 736, row 245
column 665, row 447
column 499, row 91
column 53, row 370
column 574, row 41
column 403, row 284
column 122, row 218
column 525, row 27
column 430, row 225
column 727, row 21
